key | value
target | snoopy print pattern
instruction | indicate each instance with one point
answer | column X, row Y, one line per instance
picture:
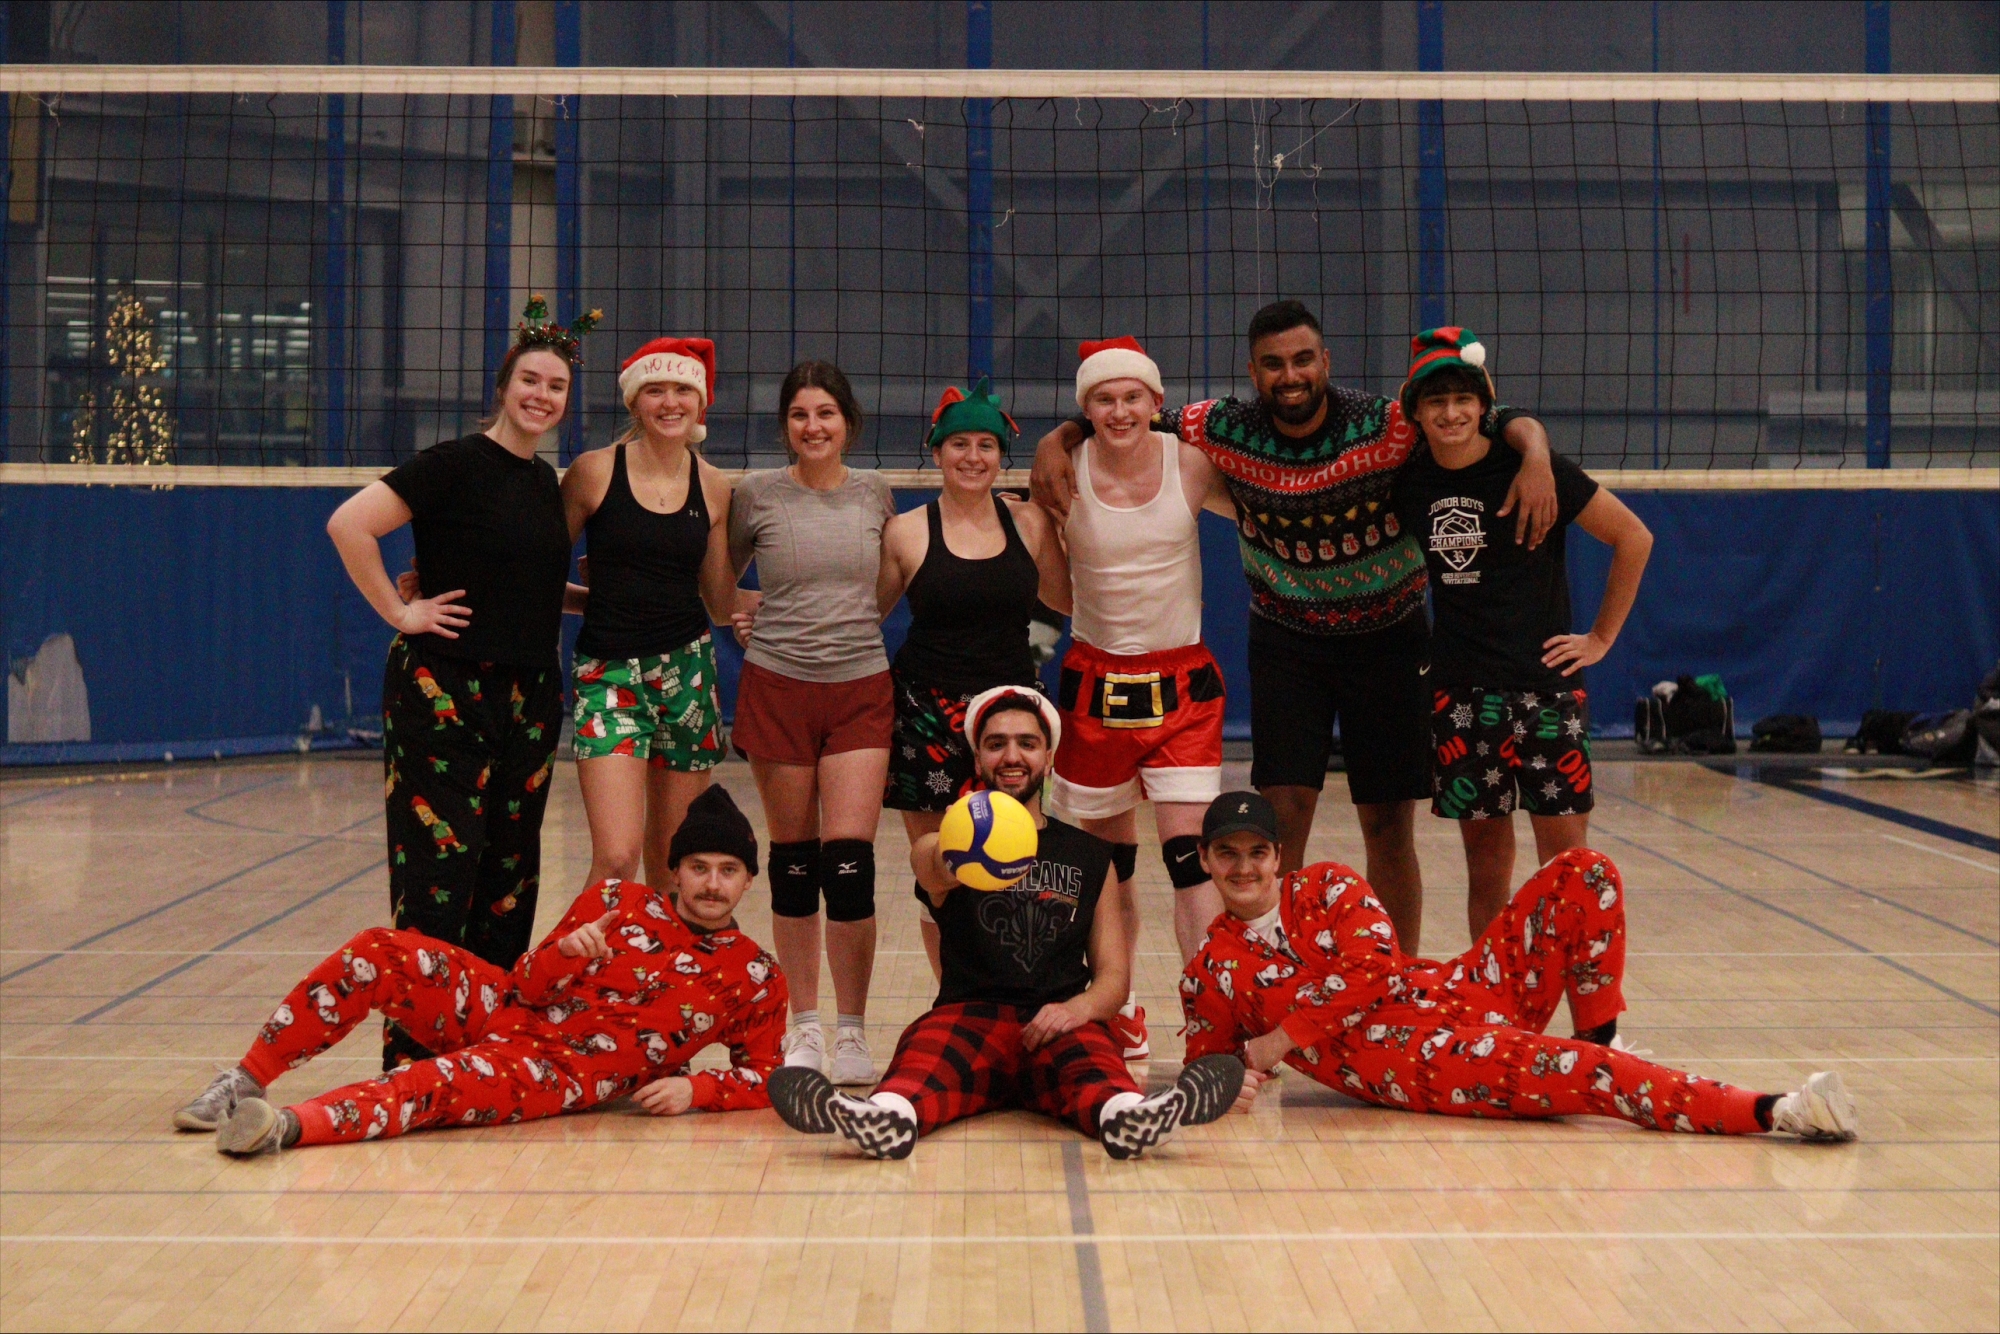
column 1463, row 1037
column 513, row 1047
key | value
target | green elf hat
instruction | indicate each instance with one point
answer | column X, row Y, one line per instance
column 978, row 411
column 1434, row 349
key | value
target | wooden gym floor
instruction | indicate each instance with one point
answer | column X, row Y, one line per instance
column 149, row 921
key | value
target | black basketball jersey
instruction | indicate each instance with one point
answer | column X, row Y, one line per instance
column 1025, row 945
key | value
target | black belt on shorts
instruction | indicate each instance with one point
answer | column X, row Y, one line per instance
column 1137, row 699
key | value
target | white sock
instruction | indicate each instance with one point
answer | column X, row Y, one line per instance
column 805, row 1019
column 1130, row 1009
column 854, row 1021
column 1118, row 1102
column 896, row 1103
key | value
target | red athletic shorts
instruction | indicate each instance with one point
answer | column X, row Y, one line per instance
column 796, row 722
column 1138, row 726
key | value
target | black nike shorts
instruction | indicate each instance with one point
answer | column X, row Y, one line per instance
column 1374, row 684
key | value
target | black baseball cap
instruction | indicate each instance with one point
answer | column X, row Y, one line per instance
column 1234, row 812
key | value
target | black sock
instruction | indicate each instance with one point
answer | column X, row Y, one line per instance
column 1765, row 1102
column 1601, row 1035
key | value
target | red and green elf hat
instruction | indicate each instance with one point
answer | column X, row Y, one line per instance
column 978, row 411
column 1435, row 349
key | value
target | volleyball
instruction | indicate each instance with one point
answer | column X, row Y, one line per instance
column 988, row 840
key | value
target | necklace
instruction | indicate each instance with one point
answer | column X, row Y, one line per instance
column 660, row 486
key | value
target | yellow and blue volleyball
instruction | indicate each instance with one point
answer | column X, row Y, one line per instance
column 988, row 840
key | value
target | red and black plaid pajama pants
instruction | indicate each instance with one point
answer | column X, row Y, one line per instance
column 960, row 1060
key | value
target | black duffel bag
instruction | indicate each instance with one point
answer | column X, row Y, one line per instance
column 1942, row 738
column 1786, row 734
column 1881, row 733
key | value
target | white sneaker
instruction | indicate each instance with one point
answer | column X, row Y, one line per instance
column 806, row 1047
column 851, row 1062
column 1823, row 1110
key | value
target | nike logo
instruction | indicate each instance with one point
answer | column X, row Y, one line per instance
column 1424, row 670
column 1183, row 857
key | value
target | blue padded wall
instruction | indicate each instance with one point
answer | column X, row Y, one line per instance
column 216, row 618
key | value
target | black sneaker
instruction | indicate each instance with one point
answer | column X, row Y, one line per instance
column 801, row 1096
column 878, row 1131
column 1204, row 1092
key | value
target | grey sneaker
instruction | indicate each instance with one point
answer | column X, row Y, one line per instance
column 1203, row 1093
column 851, row 1062
column 801, row 1097
column 254, row 1127
column 806, row 1047
column 1822, row 1111
column 218, row 1100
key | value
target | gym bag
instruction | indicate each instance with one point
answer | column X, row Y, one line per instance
column 1786, row 734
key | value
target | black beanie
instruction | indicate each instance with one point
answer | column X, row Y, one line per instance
column 713, row 824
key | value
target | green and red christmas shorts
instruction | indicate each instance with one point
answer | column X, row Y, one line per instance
column 663, row 709
column 1498, row 750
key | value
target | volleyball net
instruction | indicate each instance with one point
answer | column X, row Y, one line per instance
column 225, row 268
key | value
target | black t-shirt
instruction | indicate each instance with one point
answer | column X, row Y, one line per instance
column 490, row 522
column 1496, row 602
column 1025, row 945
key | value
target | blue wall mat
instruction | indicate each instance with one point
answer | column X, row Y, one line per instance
column 222, row 615
column 1822, row 602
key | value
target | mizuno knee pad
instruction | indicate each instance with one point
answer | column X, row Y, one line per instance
column 1182, row 855
column 795, row 879
column 847, row 876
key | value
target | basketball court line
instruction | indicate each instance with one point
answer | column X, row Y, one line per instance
column 995, row 1239
column 1817, row 875
column 188, row 897
column 1664, row 1060
column 1940, row 852
column 1923, row 824
column 1809, row 924
column 268, row 922
column 1089, row 1266
column 1080, row 1215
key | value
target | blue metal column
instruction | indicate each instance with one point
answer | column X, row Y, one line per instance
column 6, row 234
column 333, row 289
column 569, row 231
column 1207, row 300
column 1659, row 206
column 499, row 202
column 978, row 197
column 1881, row 310
column 1432, row 234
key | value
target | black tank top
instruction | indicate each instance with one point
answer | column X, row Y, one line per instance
column 645, row 572
column 969, row 618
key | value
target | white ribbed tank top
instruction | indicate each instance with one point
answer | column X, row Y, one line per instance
column 1135, row 573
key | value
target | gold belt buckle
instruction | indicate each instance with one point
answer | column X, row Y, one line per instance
column 1125, row 696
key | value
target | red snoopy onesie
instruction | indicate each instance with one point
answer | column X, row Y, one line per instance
column 556, row 1034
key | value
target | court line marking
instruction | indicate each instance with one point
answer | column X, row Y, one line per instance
column 1089, row 1264
column 1808, row 923
column 996, row 1239
column 1870, row 895
column 245, row 934
column 191, row 895
column 1923, row 824
column 1081, row 1234
column 1940, row 852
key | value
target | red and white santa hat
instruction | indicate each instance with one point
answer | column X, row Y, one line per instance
column 688, row 361
column 1001, row 698
column 1115, row 359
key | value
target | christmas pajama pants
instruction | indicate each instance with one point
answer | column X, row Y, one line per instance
column 468, row 749
column 496, row 1063
column 1562, row 935
column 960, row 1060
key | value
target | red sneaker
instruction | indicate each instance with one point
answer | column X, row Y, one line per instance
column 1130, row 1032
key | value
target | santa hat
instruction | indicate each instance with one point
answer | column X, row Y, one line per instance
column 688, row 361
column 1115, row 359
column 1002, row 698
column 1435, row 349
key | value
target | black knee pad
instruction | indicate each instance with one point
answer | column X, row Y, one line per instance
column 1125, row 860
column 795, row 879
column 847, row 873
column 1182, row 855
